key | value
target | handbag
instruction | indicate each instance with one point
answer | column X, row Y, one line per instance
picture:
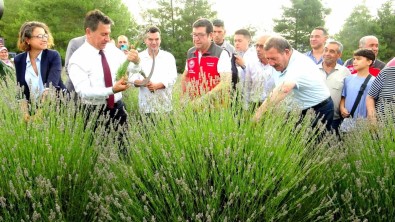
column 349, row 122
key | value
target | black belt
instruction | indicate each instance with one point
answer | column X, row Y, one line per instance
column 323, row 103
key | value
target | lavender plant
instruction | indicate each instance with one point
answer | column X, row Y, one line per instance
column 206, row 163
column 48, row 166
column 362, row 175
column 123, row 70
column 215, row 165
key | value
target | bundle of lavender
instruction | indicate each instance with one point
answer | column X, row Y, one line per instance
column 122, row 70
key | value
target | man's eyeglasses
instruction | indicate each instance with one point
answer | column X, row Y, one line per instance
column 41, row 36
column 198, row 35
column 260, row 46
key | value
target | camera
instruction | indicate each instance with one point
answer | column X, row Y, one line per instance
column 124, row 47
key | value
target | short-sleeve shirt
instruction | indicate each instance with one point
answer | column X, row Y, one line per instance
column 383, row 89
column 335, row 83
column 310, row 89
column 352, row 85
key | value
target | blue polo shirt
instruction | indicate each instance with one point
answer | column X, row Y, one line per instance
column 310, row 89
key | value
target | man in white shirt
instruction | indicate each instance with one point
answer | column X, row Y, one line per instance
column 260, row 76
column 156, row 95
column 244, row 54
column 86, row 68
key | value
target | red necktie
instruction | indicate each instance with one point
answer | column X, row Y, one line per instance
column 107, row 78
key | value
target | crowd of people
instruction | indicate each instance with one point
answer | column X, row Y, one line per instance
column 266, row 74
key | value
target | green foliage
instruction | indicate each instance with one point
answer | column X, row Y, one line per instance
column 122, row 70
column 299, row 20
column 13, row 18
column 386, row 22
column 64, row 18
column 361, row 23
column 6, row 71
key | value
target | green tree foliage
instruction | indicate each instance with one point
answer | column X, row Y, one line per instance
column 65, row 18
column 360, row 23
column 386, row 23
column 175, row 19
column 299, row 20
column 11, row 21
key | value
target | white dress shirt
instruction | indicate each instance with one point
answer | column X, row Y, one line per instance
column 260, row 81
column 86, row 73
column 248, row 56
column 165, row 72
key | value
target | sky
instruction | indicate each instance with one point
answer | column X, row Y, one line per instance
column 260, row 14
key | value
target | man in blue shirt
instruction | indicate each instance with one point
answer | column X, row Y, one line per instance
column 299, row 79
column 318, row 38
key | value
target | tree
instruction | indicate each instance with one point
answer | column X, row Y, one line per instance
column 65, row 18
column 360, row 23
column 175, row 19
column 299, row 20
column 12, row 19
column 386, row 23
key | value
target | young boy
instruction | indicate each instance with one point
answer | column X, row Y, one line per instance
column 363, row 59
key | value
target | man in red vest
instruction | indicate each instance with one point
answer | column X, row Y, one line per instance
column 208, row 67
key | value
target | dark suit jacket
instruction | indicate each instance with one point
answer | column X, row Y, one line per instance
column 50, row 67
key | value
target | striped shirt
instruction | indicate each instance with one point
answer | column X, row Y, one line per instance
column 383, row 89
